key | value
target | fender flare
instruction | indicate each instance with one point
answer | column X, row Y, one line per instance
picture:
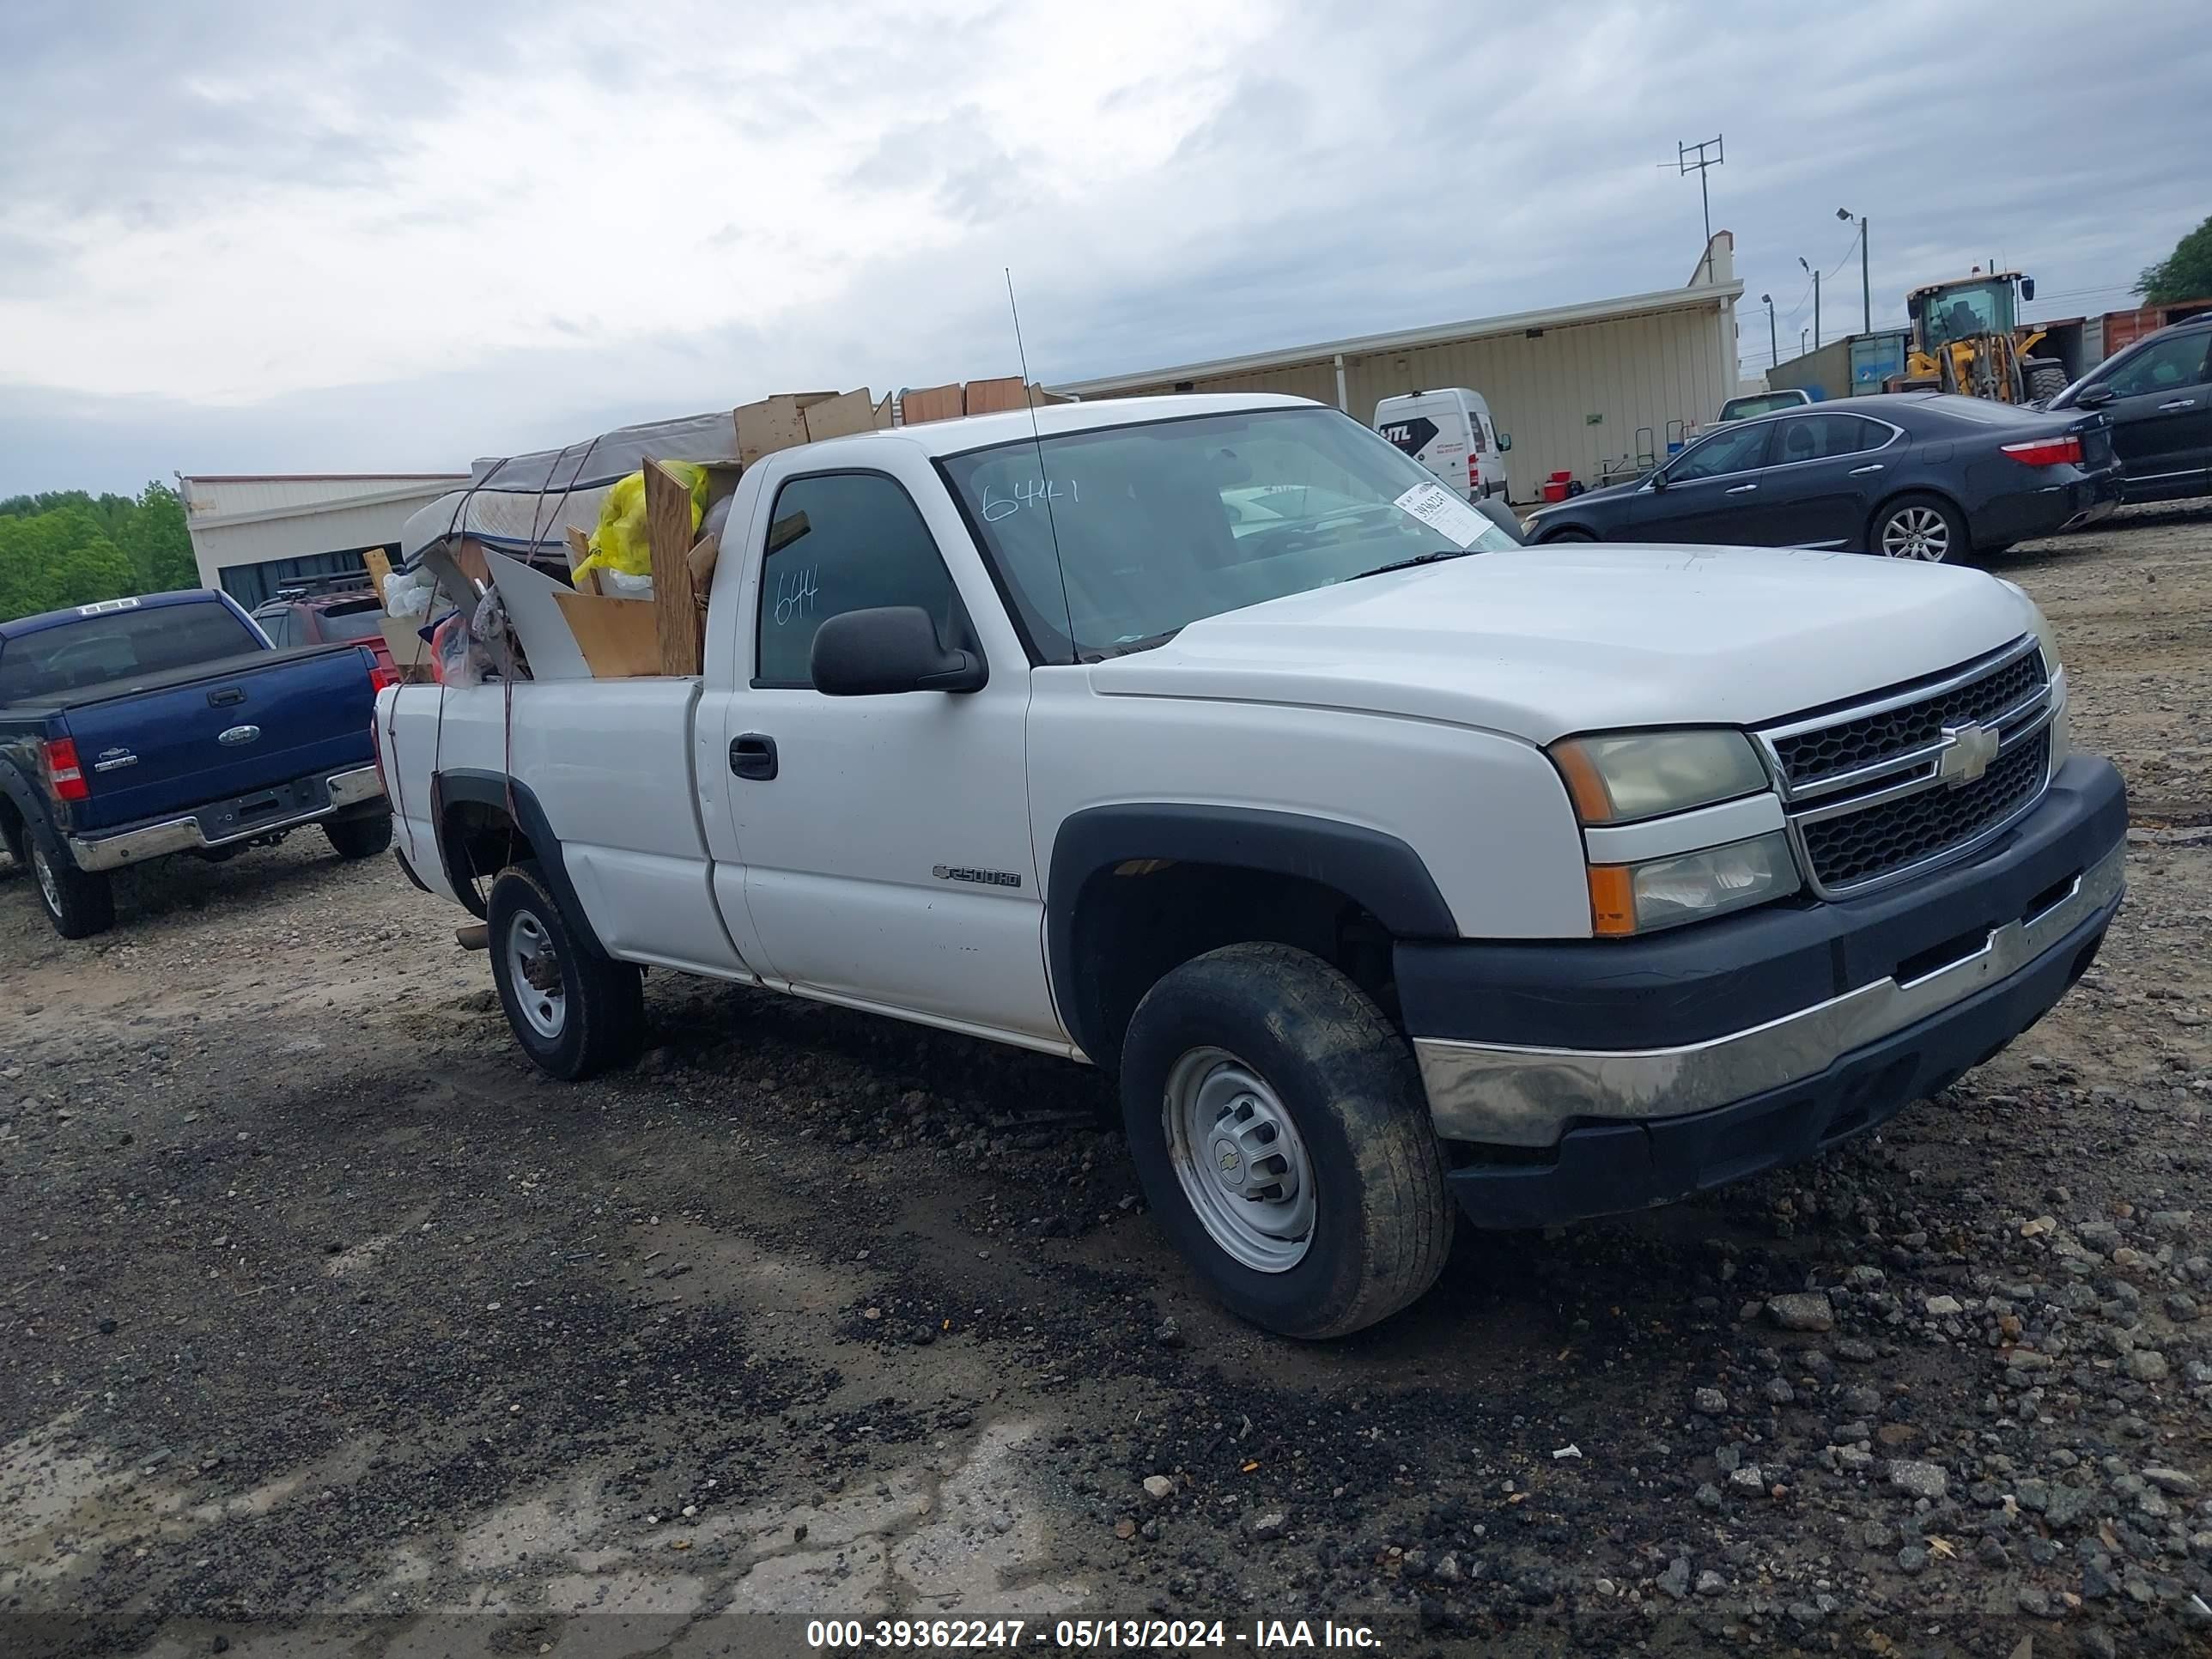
column 471, row 784
column 1378, row 870
column 28, row 801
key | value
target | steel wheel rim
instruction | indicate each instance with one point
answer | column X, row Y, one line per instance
column 1916, row 533
column 1240, row 1161
column 531, row 955
column 50, row 887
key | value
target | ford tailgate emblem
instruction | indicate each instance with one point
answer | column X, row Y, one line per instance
column 238, row 734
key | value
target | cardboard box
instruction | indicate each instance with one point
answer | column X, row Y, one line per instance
column 773, row 423
column 933, row 402
column 994, row 397
column 619, row 638
column 408, row 648
column 837, row 418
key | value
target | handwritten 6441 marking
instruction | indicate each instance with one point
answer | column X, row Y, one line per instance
column 1028, row 493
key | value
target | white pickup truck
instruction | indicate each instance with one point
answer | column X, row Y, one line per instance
column 1398, row 872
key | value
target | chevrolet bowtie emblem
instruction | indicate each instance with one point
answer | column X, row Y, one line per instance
column 1968, row 749
column 1229, row 1161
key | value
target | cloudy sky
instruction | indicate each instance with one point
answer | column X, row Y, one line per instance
column 238, row 236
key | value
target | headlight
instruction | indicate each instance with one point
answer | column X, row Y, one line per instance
column 1628, row 775
column 1637, row 898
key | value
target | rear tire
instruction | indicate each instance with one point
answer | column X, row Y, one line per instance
column 574, row 1011
column 78, row 902
column 1922, row 527
column 1281, row 1135
column 360, row 837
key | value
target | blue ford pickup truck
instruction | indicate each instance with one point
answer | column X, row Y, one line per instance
column 138, row 727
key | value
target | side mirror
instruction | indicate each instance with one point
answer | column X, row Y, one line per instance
column 1504, row 443
column 889, row 649
column 2094, row 396
column 1658, row 479
column 2028, row 288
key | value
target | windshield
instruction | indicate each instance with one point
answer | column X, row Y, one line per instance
column 1144, row 529
column 114, row 644
column 1961, row 313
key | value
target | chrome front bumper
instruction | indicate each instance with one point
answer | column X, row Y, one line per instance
column 153, row 840
column 1524, row 1097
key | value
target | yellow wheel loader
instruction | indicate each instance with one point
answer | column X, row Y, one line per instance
column 1967, row 338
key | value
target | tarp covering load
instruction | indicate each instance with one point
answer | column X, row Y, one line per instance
column 525, row 505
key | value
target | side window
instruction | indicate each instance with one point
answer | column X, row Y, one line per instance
column 1740, row 450
column 840, row 541
column 2176, row 363
column 1480, row 438
column 277, row 625
column 1821, row 437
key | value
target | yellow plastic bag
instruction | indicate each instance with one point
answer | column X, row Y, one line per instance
column 621, row 541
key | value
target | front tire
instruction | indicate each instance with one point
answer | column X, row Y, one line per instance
column 79, row 903
column 361, row 838
column 1570, row 534
column 2044, row 380
column 575, row 1012
column 1922, row 527
column 1280, row 1134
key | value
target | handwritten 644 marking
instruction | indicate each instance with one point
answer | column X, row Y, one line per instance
column 1028, row 493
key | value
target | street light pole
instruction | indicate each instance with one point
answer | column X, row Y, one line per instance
column 1816, row 299
column 1773, row 348
column 1866, row 287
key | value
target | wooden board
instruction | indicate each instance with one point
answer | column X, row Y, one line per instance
column 378, row 568
column 991, row 396
column 836, row 418
column 580, row 549
column 668, row 527
column 932, row 402
column 620, row 638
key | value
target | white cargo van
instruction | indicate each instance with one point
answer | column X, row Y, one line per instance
column 1449, row 432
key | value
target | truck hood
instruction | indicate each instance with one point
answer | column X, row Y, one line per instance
column 1541, row 643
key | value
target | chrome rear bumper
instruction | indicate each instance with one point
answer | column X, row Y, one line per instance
column 184, row 835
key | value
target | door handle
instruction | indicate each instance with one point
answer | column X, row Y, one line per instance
column 2179, row 403
column 1741, row 489
column 753, row 755
column 1861, row 471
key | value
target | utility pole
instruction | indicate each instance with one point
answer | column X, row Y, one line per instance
column 1815, row 270
column 1688, row 157
column 1866, row 287
column 1773, row 348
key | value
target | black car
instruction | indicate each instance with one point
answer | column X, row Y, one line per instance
column 1914, row 475
column 2157, row 393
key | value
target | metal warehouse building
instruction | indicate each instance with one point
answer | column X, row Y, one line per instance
column 1582, row 389
column 254, row 534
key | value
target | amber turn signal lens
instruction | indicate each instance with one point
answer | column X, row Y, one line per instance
column 1612, row 900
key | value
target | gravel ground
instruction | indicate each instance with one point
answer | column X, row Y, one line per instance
column 325, row 1320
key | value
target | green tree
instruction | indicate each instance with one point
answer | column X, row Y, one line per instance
column 160, row 546
column 2183, row 274
column 66, row 547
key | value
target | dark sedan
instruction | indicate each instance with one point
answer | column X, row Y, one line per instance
column 2157, row 393
column 1913, row 475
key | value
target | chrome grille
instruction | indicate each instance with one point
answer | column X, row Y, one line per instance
column 1861, row 847
column 1826, row 750
column 1918, row 775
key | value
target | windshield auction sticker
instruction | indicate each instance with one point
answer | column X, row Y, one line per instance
column 1444, row 512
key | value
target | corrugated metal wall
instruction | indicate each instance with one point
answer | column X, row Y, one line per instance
column 1631, row 372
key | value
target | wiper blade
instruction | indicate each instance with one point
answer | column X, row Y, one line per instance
column 1418, row 559
column 1124, row 647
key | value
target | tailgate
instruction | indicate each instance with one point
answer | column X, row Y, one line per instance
column 238, row 726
